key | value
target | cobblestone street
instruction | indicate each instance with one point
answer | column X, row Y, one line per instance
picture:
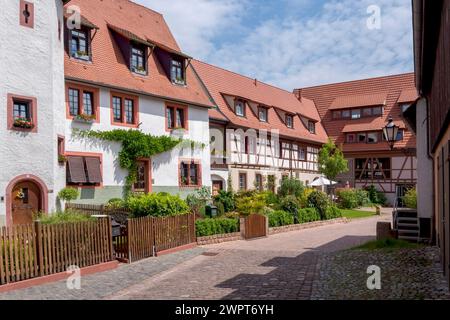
column 306, row 264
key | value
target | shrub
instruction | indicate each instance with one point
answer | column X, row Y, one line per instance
column 308, row 215
column 227, row 199
column 250, row 202
column 67, row 216
column 363, row 198
column 291, row 187
column 410, row 198
column 198, row 200
column 320, row 201
column 332, row 212
column 304, row 197
column 375, row 196
column 209, row 227
column 115, row 203
column 290, row 204
column 280, row 218
column 348, row 199
column 156, row 205
column 270, row 198
column 68, row 194
column 220, row 208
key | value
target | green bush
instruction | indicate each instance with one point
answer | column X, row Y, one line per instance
column 320, row 201
column 198, row 200
column 290, row 204
column 410, row 198
column 250, row 202
column 332, row 212
column 303, row 199
column 227, row 199
column 68, row 194
column 115, row 203
column 209, row 227
column 291, row 187
column 67, row 216
column 308, row 215
column 280, row 218
column 375, row 196
column 156, row 205
column 363, row 198
column 348, row 199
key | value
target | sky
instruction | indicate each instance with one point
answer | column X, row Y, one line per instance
column 295, row 43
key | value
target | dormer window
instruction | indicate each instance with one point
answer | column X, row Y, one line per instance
column 177, row 72
column 79, row 44
column 138, row 63
column 312, row 127
column 262, row 114
column 289, row 121
column 239, row 108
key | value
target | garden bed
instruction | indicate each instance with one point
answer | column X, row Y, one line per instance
column 308, row 225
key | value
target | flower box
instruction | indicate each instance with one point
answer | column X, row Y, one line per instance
column 84, row 118
column 179, row 81
column 81, row 55
column 140, row 71
column 23, row 123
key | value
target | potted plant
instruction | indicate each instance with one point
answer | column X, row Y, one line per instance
column 85, row 118
column 179, row 80
column 140, row 70
column 62, row 159
column 23, row 123
column 81, row 55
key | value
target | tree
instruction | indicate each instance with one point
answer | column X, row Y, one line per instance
column 332, row 161
column 68, row 194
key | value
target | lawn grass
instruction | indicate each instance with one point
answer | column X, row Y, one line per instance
column 388, row 244
column 357, row 214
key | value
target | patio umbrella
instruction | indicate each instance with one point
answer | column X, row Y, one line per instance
column 319, row 182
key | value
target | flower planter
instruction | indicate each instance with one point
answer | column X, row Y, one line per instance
column 83, row 119
column 23, row 124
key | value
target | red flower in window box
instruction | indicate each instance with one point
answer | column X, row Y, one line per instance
column 86, row 118
column 23, row 123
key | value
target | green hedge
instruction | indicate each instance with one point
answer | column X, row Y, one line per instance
column 156, row 205
column 280, row 218
column 333, row 212
column 353, row 198
column 308, row 215
column 210, row 227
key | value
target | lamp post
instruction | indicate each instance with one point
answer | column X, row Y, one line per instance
column 390, row 133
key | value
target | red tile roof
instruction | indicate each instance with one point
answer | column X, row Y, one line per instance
column 108, row 65
column 354, row 101
column 220, row 83
column 392, row 86
column 409, row 95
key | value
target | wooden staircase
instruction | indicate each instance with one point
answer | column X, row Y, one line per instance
column 407, row 225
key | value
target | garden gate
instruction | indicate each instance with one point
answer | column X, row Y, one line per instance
column 255, row 226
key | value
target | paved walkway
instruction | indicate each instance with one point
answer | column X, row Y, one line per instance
column 283, row 266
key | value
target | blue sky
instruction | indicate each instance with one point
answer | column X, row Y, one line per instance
column 294, row 43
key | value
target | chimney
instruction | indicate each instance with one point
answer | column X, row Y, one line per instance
column 298, row 94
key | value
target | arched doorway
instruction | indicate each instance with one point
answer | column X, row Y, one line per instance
column 25, row 196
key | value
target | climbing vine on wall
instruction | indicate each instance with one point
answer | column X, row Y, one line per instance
column 136, row 145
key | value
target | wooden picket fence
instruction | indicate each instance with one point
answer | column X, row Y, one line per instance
column 145, row 237
column 36, row 250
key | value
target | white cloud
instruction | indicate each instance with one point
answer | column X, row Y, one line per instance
column 197, row 23
column 329, row 45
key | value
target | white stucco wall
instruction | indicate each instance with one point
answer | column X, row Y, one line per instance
column 424, row 163
column 152, row 116
column 31, row 65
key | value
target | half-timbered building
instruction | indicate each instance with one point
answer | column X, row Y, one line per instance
column 259, row 133
column 354, row 114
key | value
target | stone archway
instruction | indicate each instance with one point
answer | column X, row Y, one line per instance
column 25, row 195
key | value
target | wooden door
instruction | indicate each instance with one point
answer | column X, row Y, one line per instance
column 216, row 187
column 26, row 201
column 143, row 180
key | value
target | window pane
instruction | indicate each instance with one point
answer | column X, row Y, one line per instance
column 194, row 175
column 240, row 108
column 361, row 137
column 302, row 154
column 170, row 118
column 137, row 59
column 337, row 114
column 350, row 138
column 289, row 121
column 129, row 111
column 74, row 102
column 346, row 114
column 21, row 110
column 184, row 174
column 356, row 114
column 87, row 102
column 372, row 137
column 400, row 135
column 312, row 127
column 377, row 111
column 180, row 118
column 367, row 112
column 263, row 114
column 117, row 109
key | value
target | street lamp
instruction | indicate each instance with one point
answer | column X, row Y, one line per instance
column 390, row 133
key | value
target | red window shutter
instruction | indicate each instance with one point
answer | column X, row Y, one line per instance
column 76, row 170
column 93, row 170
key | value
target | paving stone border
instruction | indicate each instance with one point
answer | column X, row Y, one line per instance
column 219, row 238
column 309, row 225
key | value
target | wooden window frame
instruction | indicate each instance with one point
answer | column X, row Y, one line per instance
column 260, row 185
column 246, row 181
column 361, row 109
column 32, row 105
column 266, row 111
column 176, row 107
column 286, row 121
column 190, row 162
column 74, row 55
column 182, row 68
column 144, row 50
column 87, row 155
column 244, row 108
column 82, row 89
column 123, row 97
column 26, row 5
column 313, row 131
